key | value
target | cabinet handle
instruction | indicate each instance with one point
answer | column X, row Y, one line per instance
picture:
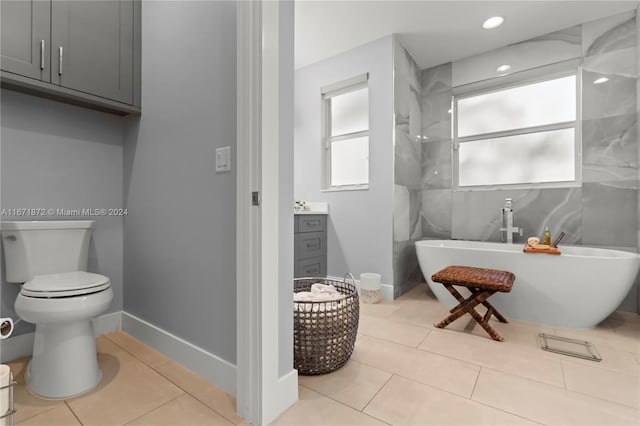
column 60, row 61
column 41, row 54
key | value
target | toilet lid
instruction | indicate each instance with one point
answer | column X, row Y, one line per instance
column 66, row 284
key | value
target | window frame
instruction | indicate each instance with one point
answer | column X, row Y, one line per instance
column 519, row 79
column 326, row 93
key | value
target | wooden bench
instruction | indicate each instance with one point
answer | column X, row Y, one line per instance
column 482, row 283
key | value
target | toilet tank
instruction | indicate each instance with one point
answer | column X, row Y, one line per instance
column 44, row 247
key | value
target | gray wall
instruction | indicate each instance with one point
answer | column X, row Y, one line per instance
column 179, row 245
column 56, row 155
column 603, row 211
column 360, row 229
column 285, row 266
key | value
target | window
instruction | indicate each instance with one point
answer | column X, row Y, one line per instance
column 522, row 133
column 345, row 134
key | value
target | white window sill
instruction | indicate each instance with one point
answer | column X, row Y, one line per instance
column 549, row 185
column 347, row 188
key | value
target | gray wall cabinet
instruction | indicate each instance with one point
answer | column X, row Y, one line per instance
column 81, row 52
column 26, row 33
column 310, row 246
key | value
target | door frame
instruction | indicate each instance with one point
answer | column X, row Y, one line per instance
column 261, row 395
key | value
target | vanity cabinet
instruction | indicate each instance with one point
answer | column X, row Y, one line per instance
column 82, row 52
column 310, row 246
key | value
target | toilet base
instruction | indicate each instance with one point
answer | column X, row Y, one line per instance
column 65, row 361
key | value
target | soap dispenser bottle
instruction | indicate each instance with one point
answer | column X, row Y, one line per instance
column 547, row 236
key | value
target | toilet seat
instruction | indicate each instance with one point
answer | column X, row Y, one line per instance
column 68, row 284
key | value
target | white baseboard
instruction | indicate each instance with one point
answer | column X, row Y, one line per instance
column 284, row 397
column 107, row 323
column 20, row 346
column 207, row 365
column 386, row 290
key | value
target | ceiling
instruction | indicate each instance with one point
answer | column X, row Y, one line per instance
column 434, row 32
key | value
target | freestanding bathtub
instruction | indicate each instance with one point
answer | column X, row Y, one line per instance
column 577, row 289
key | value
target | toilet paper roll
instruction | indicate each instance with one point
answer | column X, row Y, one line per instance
column 6, row 327
column 5, row 374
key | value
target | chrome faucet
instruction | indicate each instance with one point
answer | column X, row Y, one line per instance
column 507, row 221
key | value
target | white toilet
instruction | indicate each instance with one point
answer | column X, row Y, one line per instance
column 50, row 257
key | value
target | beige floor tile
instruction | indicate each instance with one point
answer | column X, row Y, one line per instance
column 135, row 347
column 382, row 309
column 603, row 336
column 27, row 404
column 423, row 313
column 128, row 389
column 184, row 410
column 546, row 403
column 420, row 292
column 515, row 333
column 384, row 328
column 612, row 359
column 313, row 408
column 405, row 402
column 622, row 318
column 106, row 346
column 436, row 370
column 630, row 330
column 210, row 395
column 354, row 384
column 497, row 355
column 58, row 416
column 616, row 387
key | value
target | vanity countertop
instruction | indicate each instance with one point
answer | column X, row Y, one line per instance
column 314, row 208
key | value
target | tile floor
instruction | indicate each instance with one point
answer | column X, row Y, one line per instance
column 139, row 386
column 403, row 371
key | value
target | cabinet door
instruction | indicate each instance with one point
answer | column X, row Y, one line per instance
column 92, row 47
column 25, row 36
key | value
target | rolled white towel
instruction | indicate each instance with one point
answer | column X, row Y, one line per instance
column 307, row 296
column 319, row 288
column 303, row 296
column 325, row 292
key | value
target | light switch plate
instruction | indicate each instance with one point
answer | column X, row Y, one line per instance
column 223, row 159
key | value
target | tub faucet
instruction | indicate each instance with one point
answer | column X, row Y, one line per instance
column 507, row 221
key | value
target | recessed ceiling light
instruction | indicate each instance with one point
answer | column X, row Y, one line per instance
column 503, row 68
column 601, row 80
column 493, row 22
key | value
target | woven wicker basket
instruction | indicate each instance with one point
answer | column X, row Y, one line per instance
column 324, row 333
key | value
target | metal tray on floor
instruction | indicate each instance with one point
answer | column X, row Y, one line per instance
column 570, row 347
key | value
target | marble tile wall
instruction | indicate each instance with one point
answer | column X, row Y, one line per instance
column 534, row 209
column 544, row 50
column 436, row 152
column 407, row 227
column 610, row 146
column 638, row 133
column 605, row 209
column 610, row 132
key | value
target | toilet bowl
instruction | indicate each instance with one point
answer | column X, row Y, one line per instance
column 61, row 299
column 64, row 362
